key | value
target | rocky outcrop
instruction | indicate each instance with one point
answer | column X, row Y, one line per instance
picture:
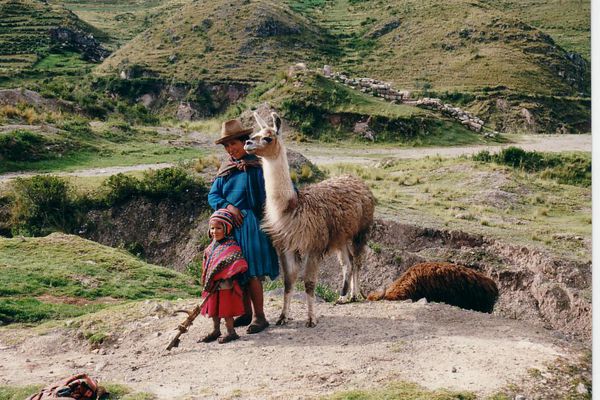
column 14, row 97
column 384, row 29
column 80, row 42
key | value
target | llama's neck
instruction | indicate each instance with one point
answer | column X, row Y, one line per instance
column 278, row 184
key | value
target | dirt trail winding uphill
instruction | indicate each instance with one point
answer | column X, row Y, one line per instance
column 361, row 345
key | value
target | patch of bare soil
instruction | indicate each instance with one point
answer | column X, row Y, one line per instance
column 360, row 345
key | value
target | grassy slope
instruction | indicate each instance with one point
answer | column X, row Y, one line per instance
column 25, row 41
column 62, row 276
column 427, row 47
column 489, row 199
column 567, row 21
column 225, row 40
column 121, row 20
column 106, row 146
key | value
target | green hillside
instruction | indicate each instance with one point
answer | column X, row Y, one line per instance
column 61, row 276
column 224, row 40
column 460, row 45
column 26, row 43
column 121, row 20
column 520, row 66
column 566, row 21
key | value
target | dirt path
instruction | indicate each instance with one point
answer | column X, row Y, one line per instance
column 362, row 345
column 321, row 155
column 105, row 171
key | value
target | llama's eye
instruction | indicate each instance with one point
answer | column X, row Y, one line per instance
column 268, row 139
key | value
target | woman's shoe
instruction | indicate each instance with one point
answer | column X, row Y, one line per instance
column 257, row 326
column 242, row 320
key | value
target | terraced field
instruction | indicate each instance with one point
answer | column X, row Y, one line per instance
column 121, row 21
column 25, row 41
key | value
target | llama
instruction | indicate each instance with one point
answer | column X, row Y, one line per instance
column 332, row 215
column 443, row 283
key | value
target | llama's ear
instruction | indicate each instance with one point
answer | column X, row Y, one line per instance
column 261, row 122
column 276, row 122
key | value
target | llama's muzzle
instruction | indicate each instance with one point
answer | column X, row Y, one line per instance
column 250, row 146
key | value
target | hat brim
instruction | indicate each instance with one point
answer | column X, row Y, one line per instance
column 234, row 136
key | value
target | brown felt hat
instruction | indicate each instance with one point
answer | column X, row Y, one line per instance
column 232, row 129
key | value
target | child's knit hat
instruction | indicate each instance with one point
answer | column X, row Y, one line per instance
column 223, row 216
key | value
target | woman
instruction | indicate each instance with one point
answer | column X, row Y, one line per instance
column 240, row 188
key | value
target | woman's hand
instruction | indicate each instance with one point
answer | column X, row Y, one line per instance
column 237, row 215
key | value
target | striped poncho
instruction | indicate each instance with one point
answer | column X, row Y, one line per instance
column 222, row 260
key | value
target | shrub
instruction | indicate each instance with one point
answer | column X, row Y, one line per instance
column 42, row 204
column 21, row 145
column 77, row 127
column 120, row 187
column 170, row 183
column 572, row 169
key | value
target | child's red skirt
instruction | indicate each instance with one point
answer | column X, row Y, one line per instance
column 224, row 303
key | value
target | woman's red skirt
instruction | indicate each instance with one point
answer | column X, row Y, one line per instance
column 225, row 303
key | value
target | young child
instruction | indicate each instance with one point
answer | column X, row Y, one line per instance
column 223, row 262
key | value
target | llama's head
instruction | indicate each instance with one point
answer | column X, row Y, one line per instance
column 266, row 142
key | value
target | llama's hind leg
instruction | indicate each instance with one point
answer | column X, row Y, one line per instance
column 355, row 294
column 346, row 272
column 345, row 258
column 359, row 245
column 310, row 284
column 290, row 274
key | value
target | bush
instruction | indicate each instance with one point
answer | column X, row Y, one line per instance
column 571, row 169
column 173, row 183
column 21, row 145
column 77, row 127
column 120, row 188
column 42, row 204
column 168, row 183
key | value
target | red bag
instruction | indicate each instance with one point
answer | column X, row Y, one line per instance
column 76, row 387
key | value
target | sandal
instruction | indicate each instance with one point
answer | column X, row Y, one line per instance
column 211, row 337
column 242, row 320
column 257, row 326
column 229, row 338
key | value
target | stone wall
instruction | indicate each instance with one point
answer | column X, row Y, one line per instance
column 385, row 91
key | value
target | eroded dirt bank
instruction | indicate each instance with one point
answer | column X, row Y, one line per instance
column 534, row 286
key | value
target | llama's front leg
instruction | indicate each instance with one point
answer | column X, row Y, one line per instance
column 310, row 284
column 290, row 274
